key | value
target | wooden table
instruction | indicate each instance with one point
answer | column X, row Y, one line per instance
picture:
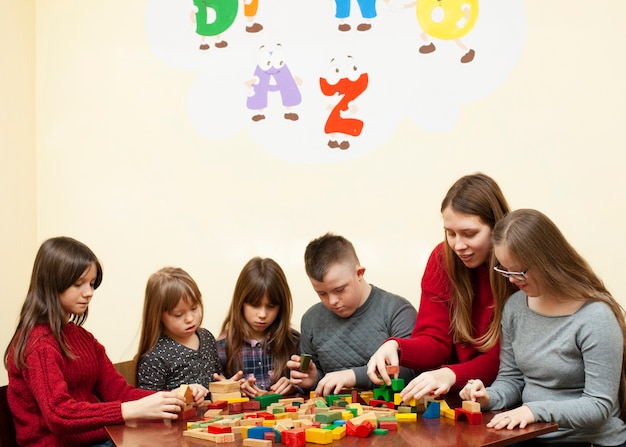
column 441, row 432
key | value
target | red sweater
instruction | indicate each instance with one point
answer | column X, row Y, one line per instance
column 58, row 401
column 431, row 345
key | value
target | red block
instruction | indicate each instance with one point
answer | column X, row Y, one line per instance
column 364, row 429
column 220, row 404
column 392, row 369
column 271, row 436
column 265, row 415
column 473, row 417
column 350, row 428
column 291, row 409
column 294, row 437
column 218, row 428
column 382, row 403
column 234, row 408
column 388, row 425
column 251, row 405
column 188, row 413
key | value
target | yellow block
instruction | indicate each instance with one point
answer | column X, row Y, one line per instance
column 318, row 436
column 359, row 408
column 406, row 417
column 345, row 415
column 339, row 432
column 448, row 413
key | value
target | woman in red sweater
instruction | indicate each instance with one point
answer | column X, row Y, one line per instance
column 63, row 389
column 456, row 333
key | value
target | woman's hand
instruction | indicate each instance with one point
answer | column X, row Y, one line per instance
column 475, row 391
column 520, row 417
column 387, row 354
column 436, row 382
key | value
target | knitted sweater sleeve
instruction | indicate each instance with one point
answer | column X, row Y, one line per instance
column 63, row 412
column 430, row 345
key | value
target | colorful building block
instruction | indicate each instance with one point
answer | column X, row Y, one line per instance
column 318, row 436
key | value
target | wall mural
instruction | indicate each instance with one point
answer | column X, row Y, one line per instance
column 326, row 81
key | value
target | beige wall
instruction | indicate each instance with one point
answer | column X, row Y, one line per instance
column 18, row 237
column 119, row 167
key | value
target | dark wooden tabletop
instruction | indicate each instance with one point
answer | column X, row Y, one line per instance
column 441, row 432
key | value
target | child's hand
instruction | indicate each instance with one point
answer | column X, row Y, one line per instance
column 160, row 405
column 334, row 382
column 475, row 391
column 387, row 354
column 199, row 393
column 306, row 379
column 282, row 386
column 249, row 388
column 236, row 378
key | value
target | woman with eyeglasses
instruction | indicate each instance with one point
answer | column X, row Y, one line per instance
column 563, row 340
column 458, row 323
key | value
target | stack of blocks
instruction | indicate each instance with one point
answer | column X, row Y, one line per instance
column 189, row 411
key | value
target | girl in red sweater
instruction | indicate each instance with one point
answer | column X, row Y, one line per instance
column 63, row 389
column 456, row 333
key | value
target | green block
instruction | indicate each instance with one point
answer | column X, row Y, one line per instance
column 380, row 431
column 268, row 399
column 383, row 393
column 328, row 417
column 397, row 385
column 278, row 409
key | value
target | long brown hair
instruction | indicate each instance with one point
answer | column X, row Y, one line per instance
column 59, row 263
column 164, row 290
column 259, row 278
column 477, row 195
column 533, row 239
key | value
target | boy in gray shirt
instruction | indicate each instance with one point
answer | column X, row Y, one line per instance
column 349, row 324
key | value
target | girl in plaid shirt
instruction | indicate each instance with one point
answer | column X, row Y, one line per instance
column 256, row 336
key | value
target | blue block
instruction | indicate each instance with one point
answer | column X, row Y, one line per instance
column 258, row 431
column 433, row 411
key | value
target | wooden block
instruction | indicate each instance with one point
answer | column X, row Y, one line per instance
column 406, row 417
column 365, row 429
column 338, row 433
column 201, row 434
column 318, row 436
column 474, row 418
column 186, row 392
column 225, row 386
column 388, row 425
column 219, row 428
column 470, row 406
column 449, row 413
column 188, row 412
column 249, row 442
column 392, row 369
column 294, row 437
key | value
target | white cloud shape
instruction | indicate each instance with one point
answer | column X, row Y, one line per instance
column 427, row 88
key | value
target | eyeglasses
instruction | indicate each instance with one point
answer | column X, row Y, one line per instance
column 517, row 276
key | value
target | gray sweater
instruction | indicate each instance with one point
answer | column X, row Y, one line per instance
column 337, row 343
column 566, row 369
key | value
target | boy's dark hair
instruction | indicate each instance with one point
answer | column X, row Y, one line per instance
column 325, row 251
